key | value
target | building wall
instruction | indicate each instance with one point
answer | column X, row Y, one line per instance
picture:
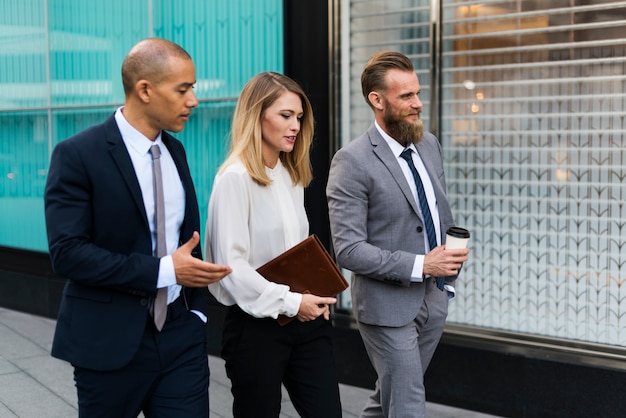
column 527, row 98
column 526, row 337
column 60, row 66
column 532, row 122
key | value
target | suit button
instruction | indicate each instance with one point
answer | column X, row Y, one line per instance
column 143, row 302
column 420, row 229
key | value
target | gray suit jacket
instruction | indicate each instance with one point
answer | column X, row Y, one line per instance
column 376, row 227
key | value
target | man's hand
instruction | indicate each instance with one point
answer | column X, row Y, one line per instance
column 441, row 262
column 193, row 272
column 313, row 306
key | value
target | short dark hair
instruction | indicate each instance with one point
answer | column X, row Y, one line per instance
column 149, row 60
column 374, row 72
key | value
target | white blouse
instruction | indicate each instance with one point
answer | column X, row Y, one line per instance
column 247, row 226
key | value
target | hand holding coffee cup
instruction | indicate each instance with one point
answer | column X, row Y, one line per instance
column 457, row 237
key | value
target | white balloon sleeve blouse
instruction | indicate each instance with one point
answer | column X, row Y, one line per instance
column 247, row 226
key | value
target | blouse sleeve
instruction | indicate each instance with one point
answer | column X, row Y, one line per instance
column 228, row 237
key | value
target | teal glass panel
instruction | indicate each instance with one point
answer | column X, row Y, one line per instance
column 230, row 41
column 206, row 142
column 23, row 166
column 22, row 54
column 88, row 42
column 24, row 161
column 58, row 82
column 68, row 122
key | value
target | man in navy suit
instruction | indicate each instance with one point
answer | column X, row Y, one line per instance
column 100, row 217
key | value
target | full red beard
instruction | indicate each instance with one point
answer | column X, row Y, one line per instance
column 402, row 131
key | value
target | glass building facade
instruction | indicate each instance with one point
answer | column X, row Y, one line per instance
column 527, row 98
column 60, row 66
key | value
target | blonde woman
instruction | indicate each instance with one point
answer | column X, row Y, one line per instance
column 256, row 212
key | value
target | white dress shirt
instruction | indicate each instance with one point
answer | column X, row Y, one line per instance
column 247, row 226
column 138, row 147
column 417, row 275
column 418, row 268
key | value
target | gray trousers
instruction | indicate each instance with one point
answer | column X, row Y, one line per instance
column 401, row 355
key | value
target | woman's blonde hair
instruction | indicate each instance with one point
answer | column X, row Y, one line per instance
column 246, row 134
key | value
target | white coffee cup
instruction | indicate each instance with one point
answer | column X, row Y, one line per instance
column 457, row 237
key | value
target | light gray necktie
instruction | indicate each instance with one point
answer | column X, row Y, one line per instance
column 159, row 307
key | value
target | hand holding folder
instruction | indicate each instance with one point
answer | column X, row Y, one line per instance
column 305, row 268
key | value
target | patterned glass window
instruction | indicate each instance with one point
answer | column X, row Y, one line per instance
column 527, row 98
column 369, row 26
column 374, row 25
column 533, row 128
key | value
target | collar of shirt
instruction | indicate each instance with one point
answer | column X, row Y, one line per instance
column 280, row 186
column 132, row 137
column 138, row 146
column 395, row 146
column 397, row 149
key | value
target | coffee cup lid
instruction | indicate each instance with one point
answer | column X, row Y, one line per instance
column 458, row 232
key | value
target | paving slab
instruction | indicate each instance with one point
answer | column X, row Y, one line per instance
column 34, row 384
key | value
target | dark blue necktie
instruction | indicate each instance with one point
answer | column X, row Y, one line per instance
column 427, row 217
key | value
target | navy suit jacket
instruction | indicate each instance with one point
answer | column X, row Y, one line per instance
column 99, row 239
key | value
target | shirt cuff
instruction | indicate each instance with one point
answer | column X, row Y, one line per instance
column 451, row 291
column 417, row 274
column 200, row 315
column 292, row 303
column 167, row 275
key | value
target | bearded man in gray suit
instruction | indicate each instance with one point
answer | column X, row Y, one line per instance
column 402, row 278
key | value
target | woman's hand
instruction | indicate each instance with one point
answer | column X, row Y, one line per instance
column 313, row 306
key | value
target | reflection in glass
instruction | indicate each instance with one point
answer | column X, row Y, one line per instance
column 533, row 128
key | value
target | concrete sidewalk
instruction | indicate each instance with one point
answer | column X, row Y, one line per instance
column 35, row 385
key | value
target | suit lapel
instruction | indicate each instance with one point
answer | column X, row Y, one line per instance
column 383, row 152
column 185, row 178
column 432, row 173
column 178, row 159
column 124, row 164
column 445, row 214
column 122, row 160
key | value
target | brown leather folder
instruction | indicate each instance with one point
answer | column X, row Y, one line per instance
column 305, row 268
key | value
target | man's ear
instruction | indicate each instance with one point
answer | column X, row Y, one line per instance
column 143, row 89
column 376, row 100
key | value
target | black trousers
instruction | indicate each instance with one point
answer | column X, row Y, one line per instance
column 167, row 378
column 260, row 355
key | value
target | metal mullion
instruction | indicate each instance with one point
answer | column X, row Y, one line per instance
column 392, row 27
column 560, row 80
column 451, row 87
column 549, row 29
column 369, row 43
column 531, row 65
column 544, row 115
column 533, row 13
column 388, row 12
column 529, row 48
